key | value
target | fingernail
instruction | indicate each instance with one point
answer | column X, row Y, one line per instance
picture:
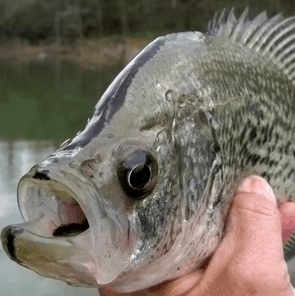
column 256, row 184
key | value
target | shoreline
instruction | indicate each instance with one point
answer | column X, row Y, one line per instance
column 87, row 53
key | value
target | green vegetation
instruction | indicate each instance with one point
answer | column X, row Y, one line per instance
column 57, row 21
column 48, row 100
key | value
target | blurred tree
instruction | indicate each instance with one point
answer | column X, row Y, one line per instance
column 122, row 5
column 66, row 20
column 99, row 17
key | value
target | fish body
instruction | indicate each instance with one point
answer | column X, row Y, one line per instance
column 141, row 195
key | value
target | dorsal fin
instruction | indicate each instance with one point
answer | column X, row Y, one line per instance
column 273, row 38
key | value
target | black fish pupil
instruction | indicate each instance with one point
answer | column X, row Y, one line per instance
column 140, row 176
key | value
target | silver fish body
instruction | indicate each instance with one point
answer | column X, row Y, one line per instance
column 140, row 196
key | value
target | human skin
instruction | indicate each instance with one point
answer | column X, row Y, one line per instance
column 249, row 259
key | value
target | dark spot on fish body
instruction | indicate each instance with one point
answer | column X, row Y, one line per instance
column 266, row 176
column 264, row 140
column 253, row 134
column 266, row 130
column 262, row 160
column 263, row 130
column 273, row 163
column 287, row 148
column 248, row 158
column 42, row 175
column 255, row 158
column 270, row 131
column 278, row 175
column 117, row 96
column 128, row 232
column 281, row 148
column 216, row 147
column 218, row 200
column 242, row 135
column 290, row 173
column 165, row 249
column 244, row 149
column 277, row 138
column 216, row 169
column 267, row 159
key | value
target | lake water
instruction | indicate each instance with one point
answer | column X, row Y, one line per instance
column 41, row 104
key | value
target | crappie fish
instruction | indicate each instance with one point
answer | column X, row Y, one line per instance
column 141, row 195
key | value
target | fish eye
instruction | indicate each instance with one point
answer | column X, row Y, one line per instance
column 138, row 173
column 139, row 177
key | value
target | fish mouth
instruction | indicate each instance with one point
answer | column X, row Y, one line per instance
column 42, row 196
column 55, row 241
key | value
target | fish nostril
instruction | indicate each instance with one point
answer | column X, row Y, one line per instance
column 8, row 235
column 42, row 175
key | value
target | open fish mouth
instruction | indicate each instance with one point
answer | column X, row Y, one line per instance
column 41, row 196
column 56, row 231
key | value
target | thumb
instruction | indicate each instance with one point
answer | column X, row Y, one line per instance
column 255, row 224
column 257, row 219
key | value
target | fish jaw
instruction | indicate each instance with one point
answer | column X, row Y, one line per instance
column 55, row 241
column 58, row 258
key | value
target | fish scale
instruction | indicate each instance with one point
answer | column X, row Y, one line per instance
column 149, row 181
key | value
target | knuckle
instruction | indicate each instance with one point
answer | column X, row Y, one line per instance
column 255, row 204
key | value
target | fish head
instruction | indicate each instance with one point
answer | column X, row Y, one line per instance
column 113, row 206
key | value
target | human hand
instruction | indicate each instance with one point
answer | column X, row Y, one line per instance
column 249, row 259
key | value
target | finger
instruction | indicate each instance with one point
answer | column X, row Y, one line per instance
column 257, row 219
column 253, row 221
column 250, row 256
column 257, row 236
column 287, row 211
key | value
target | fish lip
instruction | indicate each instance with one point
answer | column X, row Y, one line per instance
column 66, row 180
column 8, row 234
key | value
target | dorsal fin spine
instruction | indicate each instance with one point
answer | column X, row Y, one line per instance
column 267, row 35
column 251, row 31
column 273, row 39
column 279, row 58
column 256, row 38
column 240, row 24
column 279, row 35
column 284, row 50
column 221, row 19
column 231, row 23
